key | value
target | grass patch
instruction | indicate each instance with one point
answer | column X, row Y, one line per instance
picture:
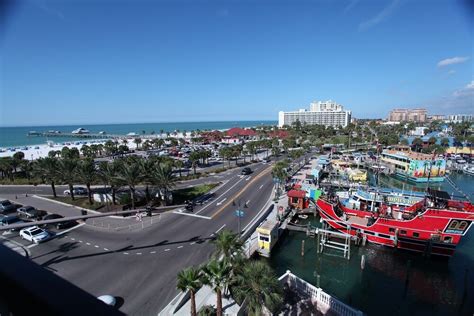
column 181, row 195
column 79, row 201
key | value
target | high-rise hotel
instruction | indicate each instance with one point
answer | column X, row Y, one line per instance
column 327, row 113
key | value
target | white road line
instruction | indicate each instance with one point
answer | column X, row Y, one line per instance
column 72, row 238
column 139, row 253
column 179, row 247
column 191, row 214
column 69, row 229
column 220, row 195
column 260, row 187
column 80, row 240
column 153, row 251
column 192, row 243
column 248, row 178
column 106, row 249
column 248, row 202
column 220, row 229
column 168, row 249
column 219, row 203
column 31, row 246
column 96, row 246
column 88, row 243
column 125, row 253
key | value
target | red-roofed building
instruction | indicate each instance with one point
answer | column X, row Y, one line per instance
column 241, row 132
column 279, row 134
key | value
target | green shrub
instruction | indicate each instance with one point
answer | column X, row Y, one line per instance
column 207, row 310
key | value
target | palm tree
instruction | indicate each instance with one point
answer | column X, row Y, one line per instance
column 86, row 173
column 179, row 164
column 130, row 173
column 162, row 177
column 216, row 274
column 258, row 285
column 47, row 169
column 194, row 158
column 67, row 171
column 108, row 174
column 189, row 279
column 228, row 244
column 137, row 141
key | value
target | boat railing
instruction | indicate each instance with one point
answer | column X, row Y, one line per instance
column 326, row 303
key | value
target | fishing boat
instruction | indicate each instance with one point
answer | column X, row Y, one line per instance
column 80, row 131
column 433, row 225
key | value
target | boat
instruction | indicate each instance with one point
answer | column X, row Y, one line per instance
column 469, row 170
column 303, row 216
column 413, row 166
column 433, row 225
column 80, row 130
column 132, row 134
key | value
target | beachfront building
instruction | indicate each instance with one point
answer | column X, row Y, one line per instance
column 458, row 118
column 415, row 167
column 327, row 113
column 411, row 115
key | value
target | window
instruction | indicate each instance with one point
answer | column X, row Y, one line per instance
column 403, row 232
column 391, row 230
column 415, row 234
column 448, row 239
column 384, row 236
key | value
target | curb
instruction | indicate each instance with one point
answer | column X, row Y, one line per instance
column 66, row 204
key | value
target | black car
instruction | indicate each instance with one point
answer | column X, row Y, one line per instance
column 246, row 171
column 59, row 225
column 7, row 207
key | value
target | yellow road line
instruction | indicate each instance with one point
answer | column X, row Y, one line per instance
column 241, row 191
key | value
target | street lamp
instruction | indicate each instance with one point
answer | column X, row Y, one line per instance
column 239, row 213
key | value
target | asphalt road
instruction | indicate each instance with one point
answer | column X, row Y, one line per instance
column 140, row 267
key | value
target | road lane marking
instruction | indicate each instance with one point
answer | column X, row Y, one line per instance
column 96, row 246
column 260, row 187
column 192, row 243
column 106, row 249
column 220, row 203
column 248, row 202
column 72, row 238
column 139, row 253
column 153, row 251
column 80, row 240
column 168, row 249
column 220, row 229
column 241, row 191
column 223, row 193
column 88, row 243
column 191, row 214
column 179, row 247
column 248, row 178
column 125, row 253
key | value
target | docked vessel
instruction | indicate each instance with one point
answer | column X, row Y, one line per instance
column 413, row 166
column 433, row 225
column 469, row 170
column 80, row 130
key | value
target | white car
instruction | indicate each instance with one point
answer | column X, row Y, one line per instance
column 34, row 234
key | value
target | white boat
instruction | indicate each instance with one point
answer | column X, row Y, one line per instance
column 80, row 130
column 469, row 170
column 132, row 134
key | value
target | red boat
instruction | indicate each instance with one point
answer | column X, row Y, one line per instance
column 435, row 225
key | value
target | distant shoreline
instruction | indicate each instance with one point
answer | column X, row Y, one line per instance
column 16, row 137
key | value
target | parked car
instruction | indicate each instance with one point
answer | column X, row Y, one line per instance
column 30, row 212
column 7, row 207
column 246, row 171
column 10, row 220
column 77, row 191
column 34, row 234
column 60, row 225
column 107, row 299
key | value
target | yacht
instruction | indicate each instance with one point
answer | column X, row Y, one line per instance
column 80, row 130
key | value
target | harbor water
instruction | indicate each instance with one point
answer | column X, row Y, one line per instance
column 392, row 282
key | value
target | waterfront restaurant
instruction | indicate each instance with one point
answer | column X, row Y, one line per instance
column 415, row 167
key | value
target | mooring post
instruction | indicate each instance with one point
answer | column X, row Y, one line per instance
column 318, row 279
column 362, row 262
column 302, row 248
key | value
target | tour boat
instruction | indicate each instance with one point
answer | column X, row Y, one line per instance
column 433, row 225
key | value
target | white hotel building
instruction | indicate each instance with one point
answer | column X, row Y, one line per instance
column 327, row 113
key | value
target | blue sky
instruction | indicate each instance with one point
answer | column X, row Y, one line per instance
column 77, row 62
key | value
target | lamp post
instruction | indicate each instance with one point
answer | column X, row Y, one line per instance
column 239, row 213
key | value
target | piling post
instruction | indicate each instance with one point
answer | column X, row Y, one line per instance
column 318, row 279
column 362, row 262
column 302, row 248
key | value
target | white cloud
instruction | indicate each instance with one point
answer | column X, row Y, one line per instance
column 468, row 90
column 452, row 61
column 350, row 5
column 451, row 72
column 380, row 17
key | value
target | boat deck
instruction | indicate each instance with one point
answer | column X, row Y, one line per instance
column 358, row 220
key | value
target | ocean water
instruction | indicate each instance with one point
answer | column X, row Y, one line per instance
column 17, row 136
column 393, row 282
